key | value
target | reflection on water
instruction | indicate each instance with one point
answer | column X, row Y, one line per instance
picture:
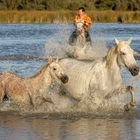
column 15, row 127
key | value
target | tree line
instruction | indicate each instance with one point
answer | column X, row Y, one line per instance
column 130, row 5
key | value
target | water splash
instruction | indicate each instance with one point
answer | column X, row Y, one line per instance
column 135, row 82
column 99, row 43
column 57, row 44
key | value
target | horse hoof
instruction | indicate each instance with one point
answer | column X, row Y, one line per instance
column 63, row 93
column 108, row 96
column 126, row 107
column 130, row 88
column 132, row 104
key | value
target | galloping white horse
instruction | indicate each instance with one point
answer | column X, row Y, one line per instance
column 102, row 75
column 80, row 47
column 81, row 39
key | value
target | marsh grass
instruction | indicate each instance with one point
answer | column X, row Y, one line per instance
column 67, row 16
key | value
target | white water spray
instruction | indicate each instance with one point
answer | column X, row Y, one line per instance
column 57, row 44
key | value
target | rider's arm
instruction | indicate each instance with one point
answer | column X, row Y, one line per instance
column 87, row 23
column 77, row 19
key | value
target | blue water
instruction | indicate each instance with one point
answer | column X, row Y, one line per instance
column 19, row 42
column 23, row 48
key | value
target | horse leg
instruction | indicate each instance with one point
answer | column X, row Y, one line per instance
column 129, row 89
column 83, row 40
column 2, row 92
column 132, row 103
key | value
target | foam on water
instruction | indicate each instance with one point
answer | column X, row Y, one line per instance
column 135, row 82
column 56, row 44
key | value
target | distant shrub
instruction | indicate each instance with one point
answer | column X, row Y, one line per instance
column 132, row 5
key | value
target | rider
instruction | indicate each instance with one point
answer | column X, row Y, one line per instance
column 81, row 17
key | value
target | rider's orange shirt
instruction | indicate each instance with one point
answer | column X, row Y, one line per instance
column 85, row 18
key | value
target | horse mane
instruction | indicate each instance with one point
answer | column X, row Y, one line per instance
column 42, row 69
column 110, row 55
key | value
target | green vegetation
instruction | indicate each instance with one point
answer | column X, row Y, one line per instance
column 132, row 5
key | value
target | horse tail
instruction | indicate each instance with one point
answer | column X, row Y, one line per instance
column 5, row 97
column 3, row 93
column 31, row 101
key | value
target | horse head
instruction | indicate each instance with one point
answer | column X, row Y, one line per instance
column 80, row 31
column 56, row 70
column 79, row 27
column 126, row 56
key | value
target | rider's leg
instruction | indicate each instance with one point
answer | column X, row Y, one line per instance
column 72, row 39
column 88, row 38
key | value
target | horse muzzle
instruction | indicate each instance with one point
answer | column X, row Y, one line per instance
column 134, row 70
column 78, row 32
column 64, row 78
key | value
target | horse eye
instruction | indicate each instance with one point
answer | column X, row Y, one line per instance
column 54, row 68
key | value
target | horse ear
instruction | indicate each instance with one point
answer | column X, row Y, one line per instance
column 50, row 60
column 129, row 40
column 57, row 59
column 116, row 41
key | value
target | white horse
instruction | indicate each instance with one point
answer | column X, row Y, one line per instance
column 102, row 76
column 78, row 50
column 81, row 39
